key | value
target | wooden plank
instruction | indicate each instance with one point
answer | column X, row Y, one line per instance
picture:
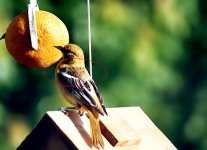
column 124, row 128
column 141, row 128
column 76, row 128
column 46, row 135
column 117, row 130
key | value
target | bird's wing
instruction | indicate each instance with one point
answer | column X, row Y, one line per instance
column 99, row 95
column 80, row 89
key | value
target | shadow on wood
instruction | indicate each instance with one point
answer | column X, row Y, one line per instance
column 126, row 128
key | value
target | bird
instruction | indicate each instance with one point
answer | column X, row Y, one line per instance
column 79, row 89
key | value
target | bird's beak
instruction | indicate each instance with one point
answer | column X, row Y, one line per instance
column 65, row 51
column 3, row 36
column 62, row 49
column 59, row 47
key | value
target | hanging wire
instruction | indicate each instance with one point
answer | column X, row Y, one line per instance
column 89, row 37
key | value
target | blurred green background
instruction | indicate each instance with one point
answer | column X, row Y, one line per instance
column 148, row 53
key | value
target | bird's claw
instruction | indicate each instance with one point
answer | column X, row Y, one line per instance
column 81, row 113
column 66, row 110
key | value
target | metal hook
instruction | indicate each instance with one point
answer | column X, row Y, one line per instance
column 32, row 7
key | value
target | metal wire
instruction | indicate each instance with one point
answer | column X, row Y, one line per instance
column 89, row 37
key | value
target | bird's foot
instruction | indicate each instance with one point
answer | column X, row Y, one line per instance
column 66, row 110
column 81, row 113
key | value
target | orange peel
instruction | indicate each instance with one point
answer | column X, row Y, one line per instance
column 51, row 31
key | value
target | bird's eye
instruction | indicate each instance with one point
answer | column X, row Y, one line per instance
column 72, row 53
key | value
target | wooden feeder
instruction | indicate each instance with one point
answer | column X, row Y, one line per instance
column 126, row 128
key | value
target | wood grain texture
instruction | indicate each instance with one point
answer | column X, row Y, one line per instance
column 125, row 128
column 133, row 130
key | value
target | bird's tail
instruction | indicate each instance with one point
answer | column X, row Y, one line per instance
column 95, row 129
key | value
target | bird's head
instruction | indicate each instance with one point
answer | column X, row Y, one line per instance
column 72, row 52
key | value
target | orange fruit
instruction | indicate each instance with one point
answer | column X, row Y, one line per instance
column 51, row 31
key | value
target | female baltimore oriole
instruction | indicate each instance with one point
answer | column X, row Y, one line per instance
column 79, row 89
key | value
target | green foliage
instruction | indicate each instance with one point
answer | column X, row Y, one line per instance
column 149, row 53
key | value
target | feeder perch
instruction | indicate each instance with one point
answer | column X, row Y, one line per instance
column 127, row 128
